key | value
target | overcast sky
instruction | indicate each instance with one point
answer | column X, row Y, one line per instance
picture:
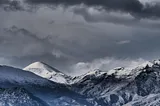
column 79, row 35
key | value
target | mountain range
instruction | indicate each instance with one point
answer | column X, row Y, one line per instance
column 42, row 85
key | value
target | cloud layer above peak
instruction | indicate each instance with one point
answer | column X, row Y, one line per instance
column 136, row 8
column 65, row 34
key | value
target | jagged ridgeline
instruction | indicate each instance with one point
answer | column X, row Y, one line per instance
column 42, row 85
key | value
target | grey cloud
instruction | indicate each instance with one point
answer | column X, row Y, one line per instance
column 105, row 64
column 20, row 48
column 21, row 62
column 11, row 5
column 79, row 42
column 17, row 41
column 115, row 18
column 4, row 1
column 134, row 7
column 124, row 42
column 70, row 39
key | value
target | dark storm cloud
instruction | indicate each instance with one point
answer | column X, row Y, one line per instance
column 4, row 1
column 24, row 47
column 71, row 41
column 115, row 18
column 100, row 45
column 75, row 47
column 61, row 38
column 48, row 58
column 134, row 7
column 125, row 5
column 9, row 5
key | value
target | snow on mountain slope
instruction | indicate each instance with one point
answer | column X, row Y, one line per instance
column 18, row 76
column 134, row 86
column 19, row 97
column 95, row 73
column 149, row 100
column 122, row 85
column 48, row 72
column 36, row 91
column 120, row 72
column 129, row 72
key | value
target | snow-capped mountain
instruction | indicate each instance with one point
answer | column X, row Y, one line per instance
column 23, row 88
column 122, row 86
column 118, row 72
column 44, row 85
column 21, row 77
column 19, row 97
column 48, row 72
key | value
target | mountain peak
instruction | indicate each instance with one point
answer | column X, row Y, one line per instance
column 95, row 72
column 12, row 75
column 44, row 70
column 41, row 65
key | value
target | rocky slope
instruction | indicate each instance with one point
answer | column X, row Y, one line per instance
column 19, row 97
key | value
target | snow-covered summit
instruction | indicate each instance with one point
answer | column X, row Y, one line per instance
column 95, row 72
column 118, row 72
column 17, row 76
column 129, row 71
column 134, row 86
column 48, row 72
column 42, row 66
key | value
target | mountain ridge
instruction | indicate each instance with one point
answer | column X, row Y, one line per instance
column 135, row 86
column 50, row 73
